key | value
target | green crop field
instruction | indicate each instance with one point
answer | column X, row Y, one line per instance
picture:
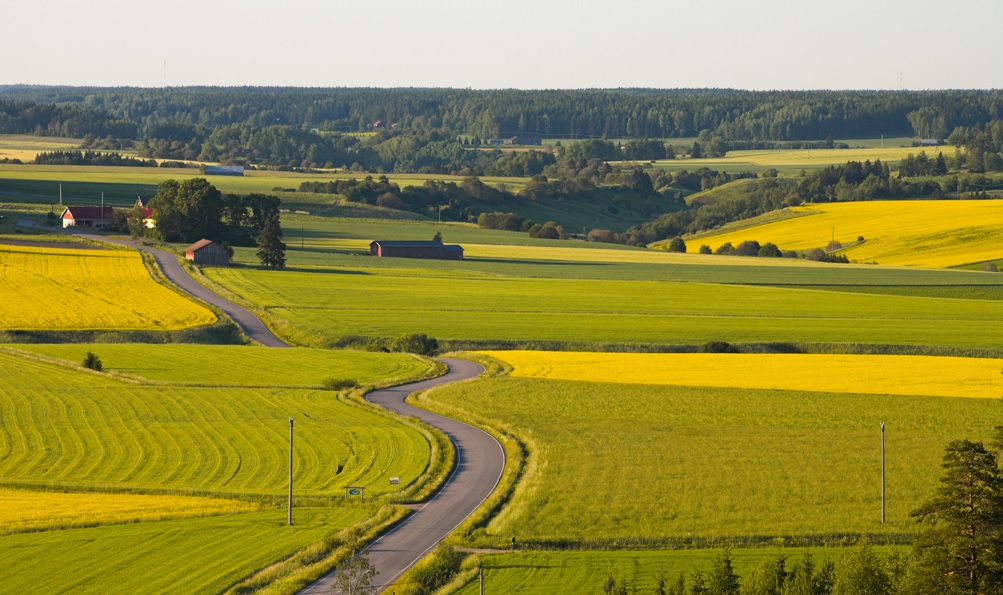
column 64, row 427
column 618, row 465
column 544, row 572
column 483, row 307
column 204, row 555
column 240, row 365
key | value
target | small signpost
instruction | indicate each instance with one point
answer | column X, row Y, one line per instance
column 396, row 481
column 355, row 491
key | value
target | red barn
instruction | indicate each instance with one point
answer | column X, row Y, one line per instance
column 416, row 249
column 209, row 253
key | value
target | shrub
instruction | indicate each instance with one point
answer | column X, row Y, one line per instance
column 705, row 249
column 748, row 248
column 991, row 268
column 418, row 343
column 430, row 577
column 93, row 362
column 816, row 254
column 769, row 250
column 339, row 383
column 726, row 249
column 717, row 347
column 677, row 245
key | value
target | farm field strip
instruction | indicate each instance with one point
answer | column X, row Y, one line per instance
column 830, row 373
column 26, row 510
column 237, row 365
column 618, row 465
column 66, row 289
column 805, row 157
column 927, row 233
column 231, row 441
column 205, row 555
column 544, row 572
column 472, row 306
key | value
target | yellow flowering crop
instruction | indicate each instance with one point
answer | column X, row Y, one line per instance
column 927, row 233
column 856, row 374
column 74, row 289
column 26, row 510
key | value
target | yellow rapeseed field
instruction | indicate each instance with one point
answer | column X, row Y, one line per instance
column 926, row 233
column 71, row 289
column 809, row 158
column 28, row 510
column 853, row 374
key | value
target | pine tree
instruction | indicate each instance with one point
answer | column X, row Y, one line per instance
column 271, row 250
column 959, row 548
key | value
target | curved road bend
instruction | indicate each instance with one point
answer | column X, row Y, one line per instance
column 172, row 269
column 480, row 460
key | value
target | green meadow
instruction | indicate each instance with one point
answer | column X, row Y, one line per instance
column 205, row 555
column 235, row 365
column 106, row 433
column 547, row 572
column 473, row 306
column 614, row 466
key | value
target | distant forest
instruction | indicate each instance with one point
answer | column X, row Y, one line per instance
column 194, row 112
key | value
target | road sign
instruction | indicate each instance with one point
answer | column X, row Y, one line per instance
column 355, row 491
column 395, row 481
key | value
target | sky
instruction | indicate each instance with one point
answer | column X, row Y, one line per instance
column 486, row 44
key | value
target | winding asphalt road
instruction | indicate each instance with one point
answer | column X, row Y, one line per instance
column 480, row 460
column 172, row 269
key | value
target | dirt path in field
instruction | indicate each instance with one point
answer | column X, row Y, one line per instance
column 480, row 460
column 172, row 269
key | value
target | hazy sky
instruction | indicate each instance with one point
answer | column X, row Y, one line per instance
column 752, row 44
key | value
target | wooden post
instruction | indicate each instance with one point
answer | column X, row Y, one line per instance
column 480, row 571
column 882, row 473
column 290, row 471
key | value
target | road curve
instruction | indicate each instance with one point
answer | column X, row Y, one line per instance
column 172, row 269
column 480, row 460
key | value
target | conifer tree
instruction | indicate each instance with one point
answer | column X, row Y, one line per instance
column 271, row 250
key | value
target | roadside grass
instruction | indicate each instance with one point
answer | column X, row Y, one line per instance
column 907, row 375
column 202, row 555
column 88, row 290
column 26, row 510
column 236, row 365
column 926, row 233
column 632, row 466
column 109, row 434
column 473, row 307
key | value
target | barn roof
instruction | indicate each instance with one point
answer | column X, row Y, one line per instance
column 453, row 248
column 89, row 212
column 198, row 245
column 407, row 244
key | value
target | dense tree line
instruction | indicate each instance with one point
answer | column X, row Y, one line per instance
column 90, row 158
column 586, row 113
column 184, row 114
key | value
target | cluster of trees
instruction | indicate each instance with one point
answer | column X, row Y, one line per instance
column 194, row 209
column 72, row 121
column 921, row 165
column 90, row 158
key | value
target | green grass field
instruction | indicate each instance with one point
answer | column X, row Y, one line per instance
column 614, row 465
column 71, row 428
column 219, row 365
column 204, row 555
column 482, row 307
column 544, row 573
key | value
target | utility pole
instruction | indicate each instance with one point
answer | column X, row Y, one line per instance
column 882, row 473
column 480, row 572
column 102, row 209
column 290, row 471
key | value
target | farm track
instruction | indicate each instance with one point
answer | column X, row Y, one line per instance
column 172, row 269
column 480, row 459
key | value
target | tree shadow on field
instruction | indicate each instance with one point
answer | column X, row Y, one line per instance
column 534, row 262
